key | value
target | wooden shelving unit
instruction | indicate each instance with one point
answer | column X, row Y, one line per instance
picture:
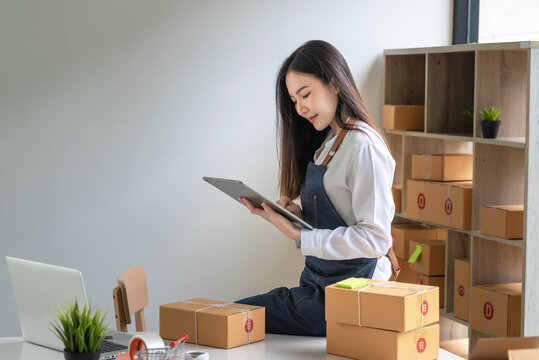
column 506, row 170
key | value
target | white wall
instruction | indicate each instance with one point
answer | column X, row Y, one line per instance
column 112, row 111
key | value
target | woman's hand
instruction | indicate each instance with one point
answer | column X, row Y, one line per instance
column 291, row 206
column 280, row 222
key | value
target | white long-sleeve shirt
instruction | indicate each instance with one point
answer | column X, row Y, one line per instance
column 358, row 182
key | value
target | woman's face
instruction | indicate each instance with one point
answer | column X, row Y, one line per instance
column 314, row 100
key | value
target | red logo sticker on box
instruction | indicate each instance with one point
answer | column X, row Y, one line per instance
column 448, row 206
column 425, row 307
column 461, row 290
column 249, row 325
column 421, row 201
column 488, row 310
column 421, row 345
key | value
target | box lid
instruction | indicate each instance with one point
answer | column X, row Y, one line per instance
column 510, row 289
column 506, row 207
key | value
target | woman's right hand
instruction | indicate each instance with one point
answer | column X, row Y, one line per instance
column 291, row 206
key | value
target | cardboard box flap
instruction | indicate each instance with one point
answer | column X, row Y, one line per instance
column 510, row 289
column 460, row 184
column 507, row 207
column 497, row 348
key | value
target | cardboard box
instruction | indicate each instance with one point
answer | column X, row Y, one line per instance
column 406, row 274
column 438, row 281
column 384, row 305
column 461, row 293
column 431, row 260
column 403, row 233
column 504, row 221
column 500, row 348
column 445, row 167
column 396, row 191
column 359, row 342
column 403, row 117
column 495, row 309
column 523, row 354
column 443, row 203
column 216, row 323
column 458, row 347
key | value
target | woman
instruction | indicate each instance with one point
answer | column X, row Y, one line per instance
column 333, row 156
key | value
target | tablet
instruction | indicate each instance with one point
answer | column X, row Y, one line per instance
column 236, row 189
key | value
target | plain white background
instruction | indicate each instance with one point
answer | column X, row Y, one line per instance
column 112, row 111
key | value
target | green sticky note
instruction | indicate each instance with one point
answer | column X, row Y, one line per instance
column 352, row 283
column 416, row 254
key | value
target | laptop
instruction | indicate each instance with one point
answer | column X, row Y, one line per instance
column 39, row 290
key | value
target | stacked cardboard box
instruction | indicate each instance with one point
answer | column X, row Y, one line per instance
column 427, row 259
column 403, row 117
column 447, row 201
column 461, row 295
column 212, row 323
column 403, row 235
column 495, row 309
column 504, row 221
column 383, row 320
column 396, row 191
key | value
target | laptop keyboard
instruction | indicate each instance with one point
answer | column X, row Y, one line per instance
column 108, row 346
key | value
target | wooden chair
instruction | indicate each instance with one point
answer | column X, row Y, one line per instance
column 130, row 297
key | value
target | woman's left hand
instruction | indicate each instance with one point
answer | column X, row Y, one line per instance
column 280, row 222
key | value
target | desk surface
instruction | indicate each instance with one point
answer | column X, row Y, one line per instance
column 274, row 347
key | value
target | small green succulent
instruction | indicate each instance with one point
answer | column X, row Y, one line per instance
column 82, row 330
column 491, row 113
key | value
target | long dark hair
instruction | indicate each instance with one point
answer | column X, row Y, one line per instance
column 298, row 138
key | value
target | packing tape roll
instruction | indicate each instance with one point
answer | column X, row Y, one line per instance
column 144, row 340
column 196, row 355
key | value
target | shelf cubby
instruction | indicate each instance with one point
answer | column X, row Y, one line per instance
column 450, row 89
column 498, row 178
column 494, row 262
column 405, row 79
column 502, row 78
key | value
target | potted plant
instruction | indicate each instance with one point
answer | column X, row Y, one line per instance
column 81, row 330
column 490, row 122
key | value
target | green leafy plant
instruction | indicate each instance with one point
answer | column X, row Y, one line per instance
column 490, row 113
column 467, row 111
column 82, row 330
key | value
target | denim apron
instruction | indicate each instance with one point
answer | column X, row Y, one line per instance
column 300, row 310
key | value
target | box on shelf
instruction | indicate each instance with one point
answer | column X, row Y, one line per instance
column 495, row 309
column 461, row 295
column 431, row 258
column 504, row 348
column 458, row 347
column 504, row 221
column 406, row 274
column 403, row 117
column 216, row 323
column 359, row 342
column 443, row 167
column 403, row 233
column 438, row 281
column 443, row 203
column 384, row 305
column 396, row 191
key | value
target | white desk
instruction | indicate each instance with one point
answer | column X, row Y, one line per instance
column 274, row 347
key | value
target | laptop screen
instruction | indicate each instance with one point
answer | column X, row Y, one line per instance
column 39, row 290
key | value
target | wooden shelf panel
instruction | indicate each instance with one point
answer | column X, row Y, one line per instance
column 421, row 134
column 514, row 242
column 405, row 80
column 516, row 142
column 494, row 262
column 457, row 246
column 452, row 317
column 403, row 216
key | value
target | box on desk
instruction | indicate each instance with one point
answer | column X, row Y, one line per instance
column 384, row 305
column 403, row 117
column 495, row 309
column 445, row 167
column 444, row 203
column 403, row 233
column 504, row 221
column 212, row 323
column 361, row 342
column 427, row 257
column 461, row 295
